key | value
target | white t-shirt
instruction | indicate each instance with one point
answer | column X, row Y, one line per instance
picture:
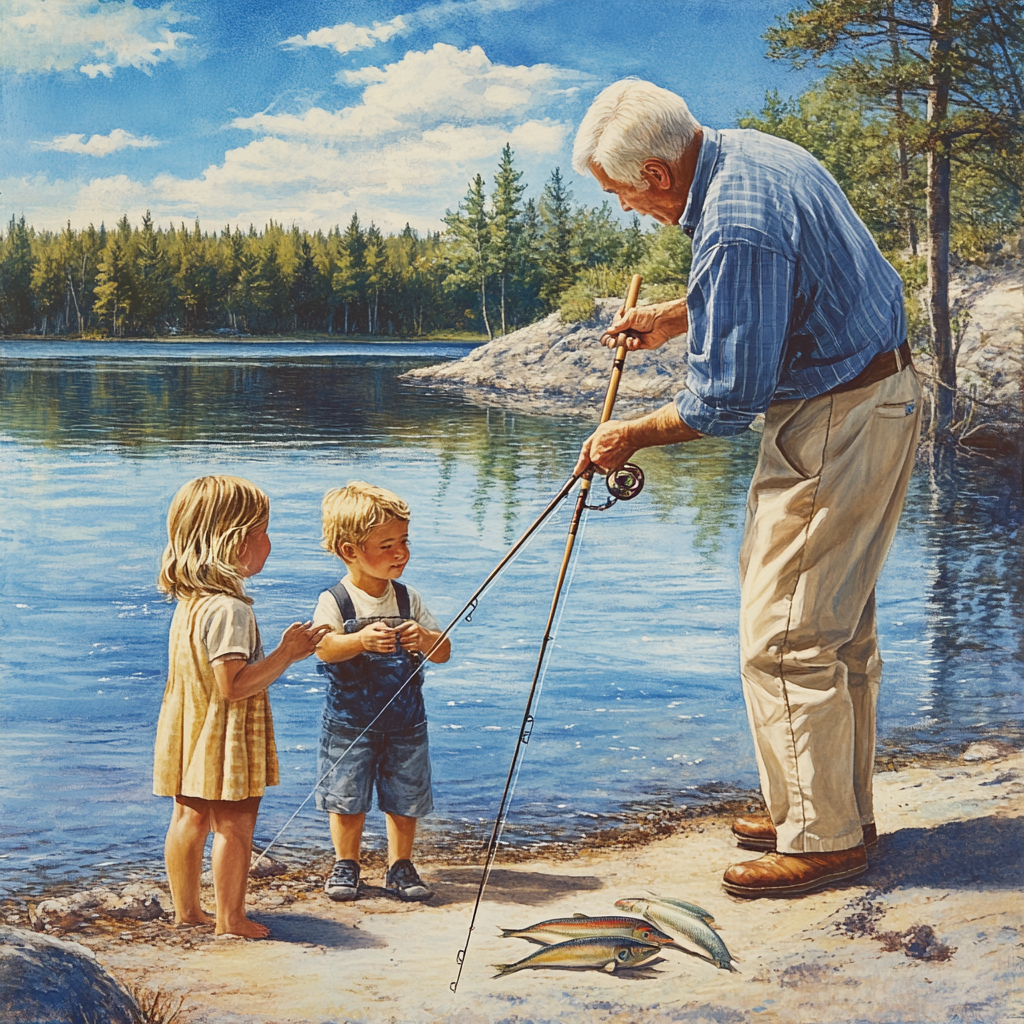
column 369, row 607
column 229, row 630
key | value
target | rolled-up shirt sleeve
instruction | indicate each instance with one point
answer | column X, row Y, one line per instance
column 739, row 301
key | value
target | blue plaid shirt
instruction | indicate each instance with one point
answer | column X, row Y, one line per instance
column 788, row 294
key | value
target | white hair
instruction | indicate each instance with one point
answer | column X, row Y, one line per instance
column 632, row 121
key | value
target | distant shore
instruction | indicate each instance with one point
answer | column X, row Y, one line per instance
column 463, row 338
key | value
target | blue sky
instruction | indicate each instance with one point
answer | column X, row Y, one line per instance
column 237, row 111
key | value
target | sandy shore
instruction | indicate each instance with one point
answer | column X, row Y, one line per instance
column 931, row 933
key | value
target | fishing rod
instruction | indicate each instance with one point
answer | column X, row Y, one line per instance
column 623, row 484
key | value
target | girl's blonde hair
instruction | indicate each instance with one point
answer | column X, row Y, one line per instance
column 351, row 512
column 208, row 522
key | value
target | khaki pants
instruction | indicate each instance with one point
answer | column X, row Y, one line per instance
column 823, row 506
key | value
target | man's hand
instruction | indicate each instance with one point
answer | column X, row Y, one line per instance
column 647, row 327
column 614, row 442
column 607, row 448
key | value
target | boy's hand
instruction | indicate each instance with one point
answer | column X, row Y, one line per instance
column 299, row 640
column 377, row 638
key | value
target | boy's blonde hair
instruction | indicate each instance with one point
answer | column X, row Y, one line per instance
column 208, row 522
column 351, row 512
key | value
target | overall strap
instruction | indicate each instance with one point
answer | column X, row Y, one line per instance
column 344, row 601
column 402, row 596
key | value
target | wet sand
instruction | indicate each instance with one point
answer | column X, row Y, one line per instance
column 930, row 933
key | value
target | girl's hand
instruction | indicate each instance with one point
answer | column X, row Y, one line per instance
column 377, row 638
column 299, row 640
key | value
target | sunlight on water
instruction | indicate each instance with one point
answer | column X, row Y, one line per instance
column 641, row 701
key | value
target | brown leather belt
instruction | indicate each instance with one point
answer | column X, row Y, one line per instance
column 885, row 364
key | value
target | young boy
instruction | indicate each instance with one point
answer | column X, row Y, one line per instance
column 381, row 630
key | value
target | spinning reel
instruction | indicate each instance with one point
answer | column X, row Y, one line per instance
column 623, row 484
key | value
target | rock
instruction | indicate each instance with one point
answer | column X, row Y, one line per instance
column 988, row 437
column 554, row 367
column 987, row 750
column 137, row 902
column 266, row 867
column 44, row 980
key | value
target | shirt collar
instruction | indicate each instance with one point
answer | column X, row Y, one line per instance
column 706, row 160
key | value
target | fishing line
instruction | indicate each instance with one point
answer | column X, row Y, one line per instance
column 544, row 671
column 623, row 484
column 467, row 611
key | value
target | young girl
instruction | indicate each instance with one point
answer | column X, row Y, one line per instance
column 215, row 749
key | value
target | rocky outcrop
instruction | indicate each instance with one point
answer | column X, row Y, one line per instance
column 554, row 367
column 135, row 902
column 44, row 980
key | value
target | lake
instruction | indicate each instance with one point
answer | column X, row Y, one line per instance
column 641, row 703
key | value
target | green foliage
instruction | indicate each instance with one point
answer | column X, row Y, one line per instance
column 665, row 267
column 604, row 281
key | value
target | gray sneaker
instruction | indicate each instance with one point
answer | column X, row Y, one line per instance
column 343, row 882
column 403, row 881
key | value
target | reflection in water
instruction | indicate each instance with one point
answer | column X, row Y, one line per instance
column 641, row 700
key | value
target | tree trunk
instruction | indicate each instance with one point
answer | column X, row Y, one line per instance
column 901, row 133
column 938, row 217
column 504, row 330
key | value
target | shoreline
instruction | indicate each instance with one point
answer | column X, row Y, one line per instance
column 243, row 340
column 642, row 823
column 928, row 934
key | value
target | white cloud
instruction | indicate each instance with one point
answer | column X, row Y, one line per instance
column 99, row 145
column 88, row 36
column 422, row 90
column 348, row 37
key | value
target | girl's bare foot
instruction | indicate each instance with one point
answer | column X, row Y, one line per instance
column 193, row 917
column 245, row 928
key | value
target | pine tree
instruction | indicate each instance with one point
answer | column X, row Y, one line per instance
column 151, row 279
column 16, row 265
column 468, row 237
column 506, row 228
column 115, row 288
column 557, row 239
column 964, row 62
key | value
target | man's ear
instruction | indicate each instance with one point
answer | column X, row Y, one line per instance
column 657, row 174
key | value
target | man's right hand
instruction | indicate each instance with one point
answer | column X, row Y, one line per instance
column 647, row 327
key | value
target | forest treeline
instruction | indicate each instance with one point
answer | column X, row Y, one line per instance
column 501, row 261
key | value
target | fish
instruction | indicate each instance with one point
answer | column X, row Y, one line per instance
column 603, row 952
column 690, row 908
column 581, row 926
column 684, row 923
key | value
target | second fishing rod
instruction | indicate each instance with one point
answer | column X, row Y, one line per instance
column 623, row 484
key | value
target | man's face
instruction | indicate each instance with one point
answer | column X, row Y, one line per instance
column 658, row 200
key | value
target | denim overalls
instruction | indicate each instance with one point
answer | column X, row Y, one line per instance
column 358, row 688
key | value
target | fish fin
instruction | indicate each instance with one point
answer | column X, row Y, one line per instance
column 503, row 969
column 609, row 967
column 734, row 968
column 581, row 915
column 506, row 932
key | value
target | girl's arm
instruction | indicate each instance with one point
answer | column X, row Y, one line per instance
column 237, row 680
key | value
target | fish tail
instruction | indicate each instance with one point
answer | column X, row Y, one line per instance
column 507, row 932
column 504, row 969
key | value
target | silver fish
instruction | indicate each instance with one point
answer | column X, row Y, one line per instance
column 581, row 926
column 690, row 908
column 604, row 952
column 695, row 929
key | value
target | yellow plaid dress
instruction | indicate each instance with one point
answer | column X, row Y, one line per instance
column 206, row 746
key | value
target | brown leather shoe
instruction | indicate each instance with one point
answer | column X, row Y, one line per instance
column 792, row 874
column 756, row 832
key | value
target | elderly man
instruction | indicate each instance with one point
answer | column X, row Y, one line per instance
column 791, row 311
